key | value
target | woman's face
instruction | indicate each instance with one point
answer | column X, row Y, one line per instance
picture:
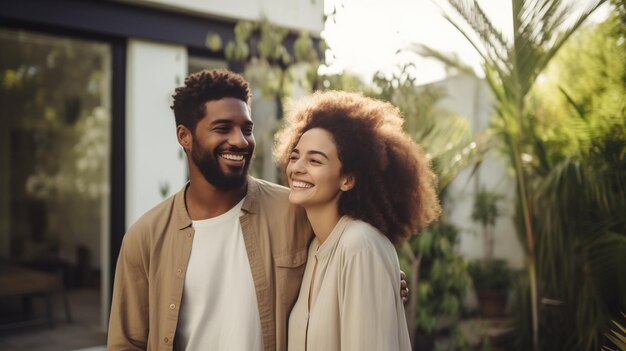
column 314, row 171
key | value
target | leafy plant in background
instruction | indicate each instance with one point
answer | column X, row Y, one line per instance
column 617, row 336
column 571, row 182
column 263, row 46
column 491, row 278
column 486, row 211
column 490, row 275
column 439, row 276
column 579, row 177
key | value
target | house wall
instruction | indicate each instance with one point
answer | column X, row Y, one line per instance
column 153, row 158
column 470, row 97
column 299, row 15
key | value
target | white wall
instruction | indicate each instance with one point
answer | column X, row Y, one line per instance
column 471, row 98
column 294, row 14
column 152, row 151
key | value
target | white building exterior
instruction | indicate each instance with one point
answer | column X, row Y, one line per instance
column 298, row 15
column 470, row 97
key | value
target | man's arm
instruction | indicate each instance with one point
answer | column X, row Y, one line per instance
column 404, row 289
column 129, row 320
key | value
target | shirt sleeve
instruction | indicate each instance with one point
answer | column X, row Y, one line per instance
column 128, row 322
column 368, row 311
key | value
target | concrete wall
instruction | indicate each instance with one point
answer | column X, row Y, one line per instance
column 152, row 152
column 295, row 14
column 471, row 98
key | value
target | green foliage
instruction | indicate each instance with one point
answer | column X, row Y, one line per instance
column 239, row 50
column 213, row 42
column 617, row 336
column 303, row 48
column 486, row 209
column 270, row 44
column 443, row 277
column 261, row 45
column 490, row 275
column 569, row 170
column 579, row 173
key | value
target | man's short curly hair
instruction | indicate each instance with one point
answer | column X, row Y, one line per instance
column 203, row 86
column 395, row 185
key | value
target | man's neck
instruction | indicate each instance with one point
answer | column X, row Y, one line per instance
column 203, row 200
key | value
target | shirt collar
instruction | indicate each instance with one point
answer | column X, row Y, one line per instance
column 333, row 238
column 182, row 217
column 250, row 203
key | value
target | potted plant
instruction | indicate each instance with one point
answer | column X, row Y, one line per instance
column 491, row 277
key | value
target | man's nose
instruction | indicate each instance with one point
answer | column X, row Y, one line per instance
column 238, row 139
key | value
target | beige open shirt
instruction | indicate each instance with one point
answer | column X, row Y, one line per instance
column 153, row 260
column 354, row 303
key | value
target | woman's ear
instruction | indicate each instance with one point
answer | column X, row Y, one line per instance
column 183, row 134
column 347, row 182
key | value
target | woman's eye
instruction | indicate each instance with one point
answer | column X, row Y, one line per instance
column 317, row 162
column 293, row 158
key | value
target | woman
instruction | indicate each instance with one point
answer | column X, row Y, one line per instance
column 365, row 185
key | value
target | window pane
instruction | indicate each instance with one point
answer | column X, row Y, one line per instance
column 54, row 179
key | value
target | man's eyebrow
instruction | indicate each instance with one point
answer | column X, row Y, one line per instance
column 228, row 121
column 222, row 121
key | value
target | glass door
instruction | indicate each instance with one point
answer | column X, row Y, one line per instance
column 55, row 103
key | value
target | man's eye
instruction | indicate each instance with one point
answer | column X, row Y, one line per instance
column 247, row 131
column 222, row 130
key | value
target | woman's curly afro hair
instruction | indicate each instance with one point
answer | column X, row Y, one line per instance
column 395, row 185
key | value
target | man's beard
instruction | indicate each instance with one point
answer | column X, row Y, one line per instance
column 210, row 168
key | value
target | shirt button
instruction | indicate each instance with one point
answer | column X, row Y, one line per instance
column 189, row 235
column 172, row 306
column 179, row 271
column 166, row 339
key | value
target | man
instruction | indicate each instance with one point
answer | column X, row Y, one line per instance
column 218, row 265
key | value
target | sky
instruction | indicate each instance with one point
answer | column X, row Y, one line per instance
column 364, row 35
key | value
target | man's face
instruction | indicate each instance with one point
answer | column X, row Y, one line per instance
column 223, row 143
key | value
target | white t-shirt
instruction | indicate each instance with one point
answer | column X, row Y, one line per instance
column 219, row 309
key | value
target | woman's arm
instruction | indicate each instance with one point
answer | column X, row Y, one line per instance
column 369, row 295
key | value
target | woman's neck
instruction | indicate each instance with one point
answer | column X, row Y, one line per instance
column 323, row 220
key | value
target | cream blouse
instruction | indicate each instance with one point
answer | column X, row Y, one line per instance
column 355, row 300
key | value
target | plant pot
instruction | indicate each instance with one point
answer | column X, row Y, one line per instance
column 423, row 341
column 492, row 303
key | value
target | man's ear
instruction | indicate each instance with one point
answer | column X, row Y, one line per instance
column 347, row 182
column 184, row 136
